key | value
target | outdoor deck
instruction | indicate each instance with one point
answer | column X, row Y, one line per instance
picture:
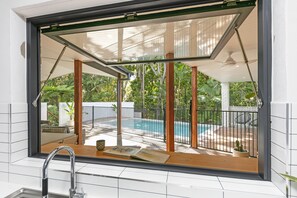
column 215, row 162
column 223, row 139
column 134, row 138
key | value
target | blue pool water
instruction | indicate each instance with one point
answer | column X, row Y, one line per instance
column 155, row 126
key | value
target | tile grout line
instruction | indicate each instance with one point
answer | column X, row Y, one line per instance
column 277, row 144
column 19, row 141
column 9, row 139
column 118, row 181
column 277, row 131
column 221, row 186
column 122, row 172
column 20, row 131
column 19, row 150
column 155, row 193
column 25, row 121
column 287, row 148
column 167, row 183
column 278, row 159
column 290, row 139
column 274, row 116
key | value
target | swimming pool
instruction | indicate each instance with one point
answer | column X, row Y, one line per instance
column 155, row 126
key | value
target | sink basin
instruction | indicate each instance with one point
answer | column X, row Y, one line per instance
column 28, row 193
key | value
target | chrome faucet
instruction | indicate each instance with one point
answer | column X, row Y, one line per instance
column 72, row 190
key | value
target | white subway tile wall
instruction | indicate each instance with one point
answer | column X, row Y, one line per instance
column 130, row 193
column 3, row 177
column 97, row 181
column 284, row 144
column 4, row 142
column 18, row 124
column 292, row 122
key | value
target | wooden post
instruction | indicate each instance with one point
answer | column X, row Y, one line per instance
column 119, row 111
column 194, row 132
column 170, row 104
column 78, row 100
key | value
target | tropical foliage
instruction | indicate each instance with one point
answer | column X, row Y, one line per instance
column 242, row 94
column 147, row 90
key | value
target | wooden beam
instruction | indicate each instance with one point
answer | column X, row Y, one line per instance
column 78, row 100
column 194, row 132
column 170, row 104
column 119, row 111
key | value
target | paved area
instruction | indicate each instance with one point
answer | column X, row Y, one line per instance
column 136, row 138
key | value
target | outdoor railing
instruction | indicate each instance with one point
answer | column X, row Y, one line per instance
column 182, row 127
column 219, row 130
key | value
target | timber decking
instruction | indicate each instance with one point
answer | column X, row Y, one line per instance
column 217, row 162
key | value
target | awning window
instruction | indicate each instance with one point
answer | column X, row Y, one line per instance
column 190, row 34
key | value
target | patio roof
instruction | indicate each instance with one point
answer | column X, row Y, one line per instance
column 199, row 40
column 219, row 68
column 203, row 37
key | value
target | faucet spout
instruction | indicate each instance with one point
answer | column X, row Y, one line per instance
column 72, row 190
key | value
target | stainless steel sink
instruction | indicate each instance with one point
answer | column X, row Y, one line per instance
column 29, row 193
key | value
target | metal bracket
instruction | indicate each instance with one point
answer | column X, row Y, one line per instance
column 259, row 103
column 54, row 26
column 257, row 92
column 130, row 16
column 34, row 103
column 231, row 2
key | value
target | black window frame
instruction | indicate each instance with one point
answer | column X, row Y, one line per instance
column 264, row 84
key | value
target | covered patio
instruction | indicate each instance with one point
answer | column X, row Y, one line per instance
column 70, row 63
column 205, row 41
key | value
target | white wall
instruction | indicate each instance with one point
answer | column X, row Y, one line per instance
column 105, row 110
column 43, row 111
column 284, row 51
column 4, row 54
column 291, row 41
column 284, row 94
column 18, row 88
column 243, row 108
column 279, row 71
column 101, row 110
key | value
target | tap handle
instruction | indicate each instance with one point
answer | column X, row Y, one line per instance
column 79, row 195
column 44, row 187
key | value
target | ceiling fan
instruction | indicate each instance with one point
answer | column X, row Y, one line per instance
column 231, row 63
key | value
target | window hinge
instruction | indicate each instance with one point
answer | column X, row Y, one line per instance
column 231, row 2
column 54, row 26
column 130, row 16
